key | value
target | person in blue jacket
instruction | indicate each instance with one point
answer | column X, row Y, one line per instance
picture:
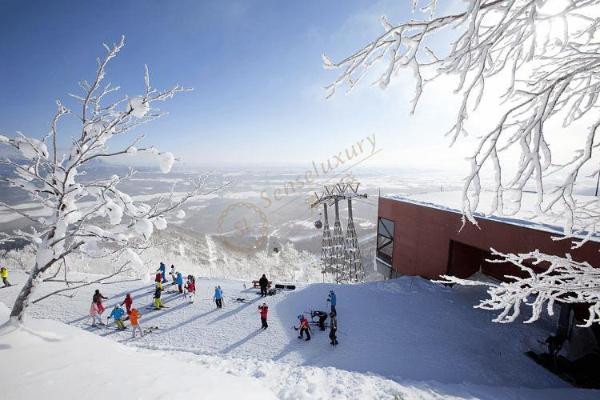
column 179, row 281
column 332, row 299
column 117, row 313
column 163, row 271
column 218, row 297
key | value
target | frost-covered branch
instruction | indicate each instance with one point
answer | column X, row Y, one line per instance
column 119, row 271
column 563, row 280
column 545, row 55
column 81, row 216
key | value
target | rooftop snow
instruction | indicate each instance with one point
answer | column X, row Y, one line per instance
column 524, row 216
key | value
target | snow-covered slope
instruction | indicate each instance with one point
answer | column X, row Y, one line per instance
column 49, row 360
column 405, row 337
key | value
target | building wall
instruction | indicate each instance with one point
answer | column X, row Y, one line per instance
column 423, row 236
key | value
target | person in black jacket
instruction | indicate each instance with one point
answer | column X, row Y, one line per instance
column 264, row 283
column 333, row 329
column 97, row 299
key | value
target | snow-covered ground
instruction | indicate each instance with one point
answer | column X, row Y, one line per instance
column 50, row 360
column 407, row 338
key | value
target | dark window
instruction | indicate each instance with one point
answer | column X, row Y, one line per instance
column 385, row 240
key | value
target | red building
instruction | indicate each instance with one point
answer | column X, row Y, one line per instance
column 417, row 238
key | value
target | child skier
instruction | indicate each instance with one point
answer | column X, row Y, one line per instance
column 133, row 318
column 157, row 292
column 190, row 288
column 333, row 300
column 4, row 276
column 321, row 315
column 179, row 281
column 173, row 274
column 333, row 329
column 304, row 327
column 117, row 313
column 94, row 314
column 218, row 296
column 97, row 299
column 163, row 271
column 263, row 310
column 128, row 302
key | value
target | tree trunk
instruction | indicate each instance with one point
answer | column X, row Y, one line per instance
column 22, row 301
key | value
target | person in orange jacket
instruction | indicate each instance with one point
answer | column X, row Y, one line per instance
column 134, row 316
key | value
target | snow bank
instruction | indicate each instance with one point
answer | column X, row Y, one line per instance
column 50, row 360
column 401, row 339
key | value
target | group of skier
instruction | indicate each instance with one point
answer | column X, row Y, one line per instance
column 189, row 289
column 304, row 323
column 117, row 314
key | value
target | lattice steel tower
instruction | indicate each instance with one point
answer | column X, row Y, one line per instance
column 326, row 243
column 340, row 254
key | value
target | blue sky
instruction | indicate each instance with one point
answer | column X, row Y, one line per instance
column 255, row 67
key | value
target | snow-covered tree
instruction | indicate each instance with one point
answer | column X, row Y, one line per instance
column 81, row 215
column 546, row 56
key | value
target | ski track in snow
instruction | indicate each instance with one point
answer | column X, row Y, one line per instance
column 405, row 337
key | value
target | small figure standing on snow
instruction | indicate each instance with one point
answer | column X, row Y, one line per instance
column 128, row 302
column 264, row 310
column 304, row 327
column 333, row 300
column 179, row 281
column 333, row 329
column 218, row 297
column 264, row 283
column 322, row 316
column 116, row 314
column 94, row 314
column 163, row 271
column 190, row 288
column 157, row 292
column 97, row 299
column 173, row 274
column 133, row 318
column 4, row 276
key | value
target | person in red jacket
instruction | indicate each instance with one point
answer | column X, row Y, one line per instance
column 263, row 310
column 97, row 299
column 190, row 288
column 304, row 327
column 128, row 302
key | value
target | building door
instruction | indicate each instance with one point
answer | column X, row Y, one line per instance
column 465, row 260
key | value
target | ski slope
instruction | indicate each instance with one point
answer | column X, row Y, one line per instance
column 406, row 337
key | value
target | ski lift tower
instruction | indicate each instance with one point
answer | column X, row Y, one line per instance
column 332, row 250
column 353, row 258
column 340, row 253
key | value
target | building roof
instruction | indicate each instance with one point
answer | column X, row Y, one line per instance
column 525, row 216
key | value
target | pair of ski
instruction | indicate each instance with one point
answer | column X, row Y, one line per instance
column 108, row 326
column 152, row 308
column 149, row 329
